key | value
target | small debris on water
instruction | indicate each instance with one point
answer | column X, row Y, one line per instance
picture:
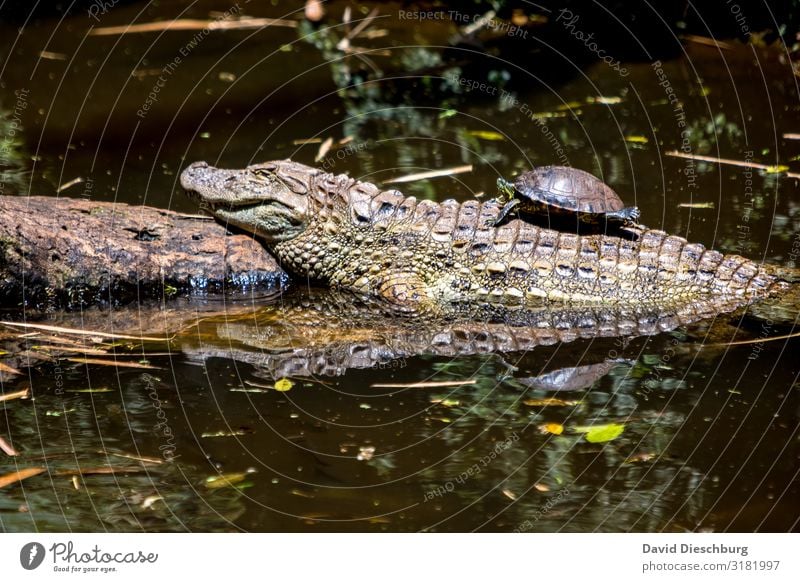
column 365, row 453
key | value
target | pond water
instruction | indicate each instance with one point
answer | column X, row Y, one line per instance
column 671, row 432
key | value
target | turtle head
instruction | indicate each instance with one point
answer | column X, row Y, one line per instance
column 271, row 200
column 506, row 188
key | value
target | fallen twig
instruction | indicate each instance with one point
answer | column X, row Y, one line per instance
column 8, row 369
column 709, row 41
column 72, row 331
column 753, row 341
column 426, row 384
column 741, row 163
column 153, row 460
column 431, row 174
column 11, row 478
column 113, row 363
column 15, row 395
column 98, row 471
column 192, row 24
column 51, row 56
column 7, row 448
column 324, row 149
column 69, row 184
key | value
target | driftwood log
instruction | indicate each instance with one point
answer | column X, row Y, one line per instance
column 69, row 253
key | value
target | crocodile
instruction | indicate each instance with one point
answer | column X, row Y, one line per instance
column 422, row 256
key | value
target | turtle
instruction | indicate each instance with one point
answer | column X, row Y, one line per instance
column 565, row 193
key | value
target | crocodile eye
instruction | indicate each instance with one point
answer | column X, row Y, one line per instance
column 261, row 173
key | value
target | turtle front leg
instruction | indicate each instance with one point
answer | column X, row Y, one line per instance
column 504, row 212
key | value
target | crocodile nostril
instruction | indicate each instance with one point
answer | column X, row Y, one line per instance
column 198, row 165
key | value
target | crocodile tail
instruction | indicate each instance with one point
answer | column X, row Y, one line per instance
column 786, row 274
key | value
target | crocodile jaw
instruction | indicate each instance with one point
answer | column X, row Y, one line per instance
column 256, row 199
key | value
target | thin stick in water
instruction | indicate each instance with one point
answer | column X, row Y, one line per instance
column 426, row 384
column 712, row 159
column 192, row 24
column 431, row 174
column 72, row 331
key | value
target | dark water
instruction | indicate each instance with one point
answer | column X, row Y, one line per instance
column 710, row 434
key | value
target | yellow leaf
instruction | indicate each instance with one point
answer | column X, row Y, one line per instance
column 636, row 139
column 601, row 433
column 487, row 135
column 776, row 169
column 445, row 402
column 283, row 385
column 225, row 480
column 551, row 428
column 541, row 487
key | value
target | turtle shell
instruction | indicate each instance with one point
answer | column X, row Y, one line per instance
column 566, row 188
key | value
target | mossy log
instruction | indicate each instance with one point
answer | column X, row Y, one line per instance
column 70, row 253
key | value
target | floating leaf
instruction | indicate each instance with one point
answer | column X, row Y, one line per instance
column 284, row 385
column 641, row 458
column 447, row 113
column 149, row 501
column 551, row 428
column 776, row 169
column 510, row 494
column 550, row 402
column 636, row 139
column 224, row 480
column 541, row 487
column 601, row 433
column 487, row 135
column 445, row 402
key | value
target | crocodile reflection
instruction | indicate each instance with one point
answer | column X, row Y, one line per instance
column 314, row 332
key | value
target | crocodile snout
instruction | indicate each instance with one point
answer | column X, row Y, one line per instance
column 192, row 175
